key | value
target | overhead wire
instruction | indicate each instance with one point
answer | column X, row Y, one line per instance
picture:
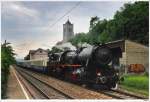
column 77, row 4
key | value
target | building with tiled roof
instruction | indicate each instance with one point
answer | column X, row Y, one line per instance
column 37, row 54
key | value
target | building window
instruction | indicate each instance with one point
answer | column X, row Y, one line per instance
column 64, row 30
column 70, row 29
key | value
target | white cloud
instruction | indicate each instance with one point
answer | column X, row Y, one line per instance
column 22, row 49
column 19, row 10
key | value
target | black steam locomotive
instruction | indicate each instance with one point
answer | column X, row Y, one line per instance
column 90, row 65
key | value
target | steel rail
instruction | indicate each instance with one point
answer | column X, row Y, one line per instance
column 128, row 94
column 29, row 81
column 121, row 95
column 67, row 96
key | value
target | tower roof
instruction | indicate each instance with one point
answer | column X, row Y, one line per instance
column 68, row 22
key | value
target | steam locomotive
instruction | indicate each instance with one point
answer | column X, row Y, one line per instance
column 89, row 65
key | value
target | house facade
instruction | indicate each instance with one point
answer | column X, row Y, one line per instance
column 37, row 54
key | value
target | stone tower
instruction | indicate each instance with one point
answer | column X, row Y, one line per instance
column 67, row 31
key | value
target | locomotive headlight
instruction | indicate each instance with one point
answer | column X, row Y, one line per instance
column 98, row 74
column 117, row 74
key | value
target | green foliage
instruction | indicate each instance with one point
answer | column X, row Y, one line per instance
column 93, row 21
column 140, row 82
column 130, row 22
column 55, row 50
column 104, row 37
column 79, row 38
column 7, row 58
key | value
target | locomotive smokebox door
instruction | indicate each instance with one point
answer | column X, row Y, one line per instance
column 99, row 59
column 102, row 55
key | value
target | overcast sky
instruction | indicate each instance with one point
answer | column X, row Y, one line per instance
column 27, row 25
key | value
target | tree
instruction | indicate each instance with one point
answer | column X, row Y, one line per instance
column 130, row 22
column 7, row 58
column 104, row 37
column 55, row 50
column 79, row 38
column 93, row 21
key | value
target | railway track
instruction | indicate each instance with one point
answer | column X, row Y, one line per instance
column 121, row 94
column 75, row 91
column 117, row 94
column 45, row 91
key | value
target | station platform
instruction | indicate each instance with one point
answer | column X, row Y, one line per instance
column 15, row 89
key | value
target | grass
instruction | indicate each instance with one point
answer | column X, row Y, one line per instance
column 136, row 83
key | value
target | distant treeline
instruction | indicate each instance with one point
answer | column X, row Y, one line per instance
column 130, row 22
